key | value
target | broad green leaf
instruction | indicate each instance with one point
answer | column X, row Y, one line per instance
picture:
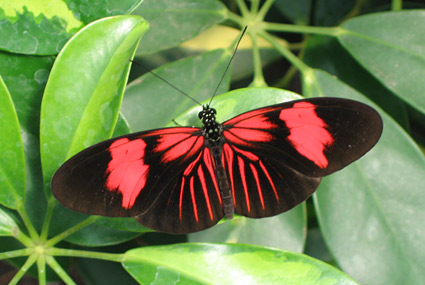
column 42, row 27
column 175, row 21
column 227, row 264
column 370, row 211
column 151, row 103
column 7, row 224
column 327, row 54
column 285, row 231
column 12, row 161
column 391, row 46
column 85, row 88
column 26, row 77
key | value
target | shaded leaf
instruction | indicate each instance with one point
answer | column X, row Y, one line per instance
column 12, row 161
column 175, row 21
column 285, row 231
column 369, row 212
column 391, row 46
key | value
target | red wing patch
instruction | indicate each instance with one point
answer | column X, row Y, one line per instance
column 308, row 132
column 127, row 169
column 247, row 129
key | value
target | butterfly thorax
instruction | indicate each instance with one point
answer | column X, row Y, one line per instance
column 211, row 129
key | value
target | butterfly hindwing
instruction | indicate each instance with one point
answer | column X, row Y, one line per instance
column 275, row 156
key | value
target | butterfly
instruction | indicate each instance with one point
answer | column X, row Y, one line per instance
column 185, row 179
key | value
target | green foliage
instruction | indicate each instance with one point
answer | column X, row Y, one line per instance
column 64, row 69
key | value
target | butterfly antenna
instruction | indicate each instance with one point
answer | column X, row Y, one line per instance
column 169, row 83
column 228, row 65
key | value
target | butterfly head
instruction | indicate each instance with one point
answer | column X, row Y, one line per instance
column 207, row 115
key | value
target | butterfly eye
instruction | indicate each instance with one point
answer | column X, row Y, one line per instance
column 201, row 114
column 213, row 111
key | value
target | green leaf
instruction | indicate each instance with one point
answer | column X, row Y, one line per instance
column 33, row 27
column 26, row 77
column 327, row 54
column 391, row 46
column 173, row 22
column 12, row 161
column 369, row 212
column 284, row 231
column 85, row 88
column 227, row 264
column 7, row 224
column 151, row 103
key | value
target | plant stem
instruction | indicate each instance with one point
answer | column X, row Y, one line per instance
column 30, row 261
column 59, row 270
column 258, row 80
column 70, row 231
column 302, row 67
column 235, row 18
column 41, row 269
column 28, row 224
column 301, row 29
column 254, row 7
column 242, row 8
column 51, row 203
column 264, row 9
column 116, row 257
column 396, row 5
column 16, row 253
column 23, row 238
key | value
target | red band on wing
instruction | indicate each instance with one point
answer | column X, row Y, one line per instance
column 205, row 190
column 178, row 145
column 308, row 133
column 257, row 182
column 228, row 157
column 245, row 186
column 127, row 169
column 192, row 195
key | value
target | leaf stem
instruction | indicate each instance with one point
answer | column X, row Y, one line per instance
column 258, row 80
column 30, row 261
column 242, row 8
column 28, row 224
column 16, row 253
column 264, row 9
column 116, row 257
column 59, row 270
column 41, row 269
column 70, row 231
column 254, row 7
column 276, row 27
column 293, row 59
column 396, row 5
column 47, row 219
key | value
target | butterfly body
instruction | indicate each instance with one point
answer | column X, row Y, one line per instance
column 258, row 164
